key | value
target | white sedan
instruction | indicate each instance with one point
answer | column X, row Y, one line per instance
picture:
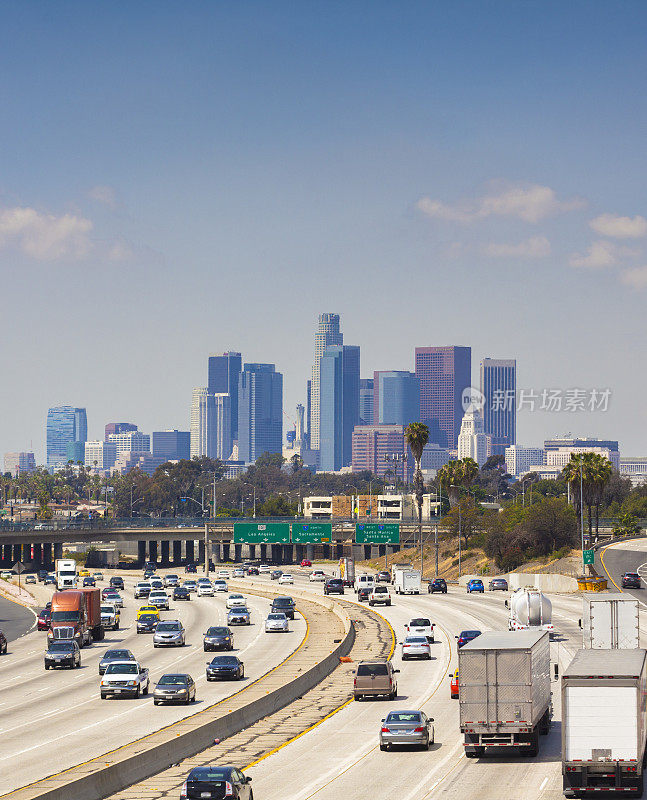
column 238, row 573
column 223, row 574
column 264, row 569
column 317, row 575
column 205, row 590
column 235, row 600
column 220, row 586
column 416, row 647
column 286, row 578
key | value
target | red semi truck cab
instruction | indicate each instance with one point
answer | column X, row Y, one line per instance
column 76, row 614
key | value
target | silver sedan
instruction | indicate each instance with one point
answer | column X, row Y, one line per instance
column 174, row 688
column 406, row 728
column 415, row 647
column 276, row 623
column 169, row 633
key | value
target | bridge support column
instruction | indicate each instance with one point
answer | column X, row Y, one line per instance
column 367, row 551
column 252, row 552
column 6, row 555
column 58, row 550
column 339, row 550
column 238, row 553
column 375, row 551
column 141, row 553
column 217, row 553
column 263, row 555
column 152, row 551
column 201, row 552
column 166, row 557
column 177, row 552
column 26, row 554
column 38, row 554
column 225, row 551
column 190, row 551
column 310, row 551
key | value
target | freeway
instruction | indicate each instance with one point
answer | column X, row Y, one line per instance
column 55, row 719
column 629, row 556
column 348, row 760
column 15, row 620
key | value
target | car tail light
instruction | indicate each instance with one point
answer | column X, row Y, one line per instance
column 355, row 682
column 229, row 789
column 183, row 790
column 418, row 730
column 385, row 730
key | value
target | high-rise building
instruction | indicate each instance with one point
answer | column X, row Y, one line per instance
column 518, row 459
column 366, row 401
column 443, row 373
column 327, row 334
column 64, row 424
column 76, row 452
column 339, row 405
column 373, row 448
column 396, row 397
column 172, row 445
column 499, row 391
column 472, row 440
column 118, row 427
column 15, row 463
column 260, row 411
column 211, row 424
column 224, row 373
column 131, row 441
column 100, row 455
column 308, row 410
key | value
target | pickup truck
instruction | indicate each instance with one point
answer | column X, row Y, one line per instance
column 110, row 616
column 125, row 679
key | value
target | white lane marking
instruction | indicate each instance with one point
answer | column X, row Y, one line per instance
column 543, row 783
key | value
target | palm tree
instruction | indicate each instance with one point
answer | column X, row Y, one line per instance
column 416, row 435
column 457, row 474
column 587, row 474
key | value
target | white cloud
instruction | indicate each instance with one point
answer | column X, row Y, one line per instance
column 535, row 247
column 602, row 254
column 44, row 236
column 530, row 203
column 120, row 251
column 620, row 227
column 103, row 194
column 636, row 277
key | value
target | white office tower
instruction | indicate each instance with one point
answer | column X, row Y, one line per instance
column 472, row 440
column 518, row 459
column 210, row 424
column 130, row 442
column 300, row 426
column 100, row 456
column 327, row 334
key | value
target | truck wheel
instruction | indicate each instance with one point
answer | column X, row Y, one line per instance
column 146, row 689
column 138, row 692
column 474, row 752
column 639, row 789
column 545, row 724
column 46, row 666
column 533, row 750
column 384, row 748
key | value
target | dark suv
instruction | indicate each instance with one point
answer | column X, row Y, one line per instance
column 117, row 582
column 285, row 605
column 437, row 585
column 334, row 586
column 631, row 580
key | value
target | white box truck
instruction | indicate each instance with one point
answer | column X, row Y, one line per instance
column 66, row 573
column 610, row 621
column 604, row 722
column 395, row 568
column 504, row 691
column 407, row 581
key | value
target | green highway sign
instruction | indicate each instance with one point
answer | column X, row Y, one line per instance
column 588, row 556
column 311, row 532
column 377, row 533
column 261, row 533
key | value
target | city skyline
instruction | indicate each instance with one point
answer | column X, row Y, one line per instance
column 291, row 162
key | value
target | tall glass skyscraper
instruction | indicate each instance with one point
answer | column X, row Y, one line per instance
column 224, row 372
column 366, row 401
column 339, row 408
column 210, row 424
column 499, row 390
column 444, row 373
column 65, row 424
column 260, row 411
column 396, row 398
column 327, row 334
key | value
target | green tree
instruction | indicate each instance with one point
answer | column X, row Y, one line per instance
column 457, row 475
column 587, row 474
column 416, row 435
column 465, row 517
column 627, row 526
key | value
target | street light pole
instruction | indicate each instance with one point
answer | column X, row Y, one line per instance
column 582, row 516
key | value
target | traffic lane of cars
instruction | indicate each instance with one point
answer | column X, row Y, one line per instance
column 69, row 719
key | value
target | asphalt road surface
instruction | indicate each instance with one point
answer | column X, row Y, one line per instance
column 15, row 620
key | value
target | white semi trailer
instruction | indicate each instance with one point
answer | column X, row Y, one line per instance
column 610, row 621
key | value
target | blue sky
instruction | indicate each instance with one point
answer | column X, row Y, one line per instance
column 182, row 179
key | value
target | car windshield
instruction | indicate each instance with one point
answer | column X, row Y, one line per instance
column 633, row 575
column 168, row 626
column 173, row 680
column 218, row 632
column 239, row 610
column 124, row 669
column 107, row 609
column 415, row 640
column 236, row 597
column 208, row 774
column 420, row 622
column 380, row 590
column 61, row 647
column 372, row 669
column 470, row 634
column 225, row 661
column 118, row 655
column 282, row 602
column 148, row 618
column 276, row 616
column 404, row 716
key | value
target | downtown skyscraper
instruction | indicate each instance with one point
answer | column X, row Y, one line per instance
column 327, row 334
column 443, row 374
column 224, row 373
column 210, row 424
column 339, row 405
column 66, row 425
column 260, row 411
column 499, row 390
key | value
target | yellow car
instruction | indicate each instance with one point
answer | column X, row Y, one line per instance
column 84, row 573
column 148, row 610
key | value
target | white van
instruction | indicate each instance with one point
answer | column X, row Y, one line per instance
column 364, row 581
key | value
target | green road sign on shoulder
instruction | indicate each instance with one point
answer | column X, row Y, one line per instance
column 261, row 533
column 311, row 532
column 377, row 533
column 589, row 556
